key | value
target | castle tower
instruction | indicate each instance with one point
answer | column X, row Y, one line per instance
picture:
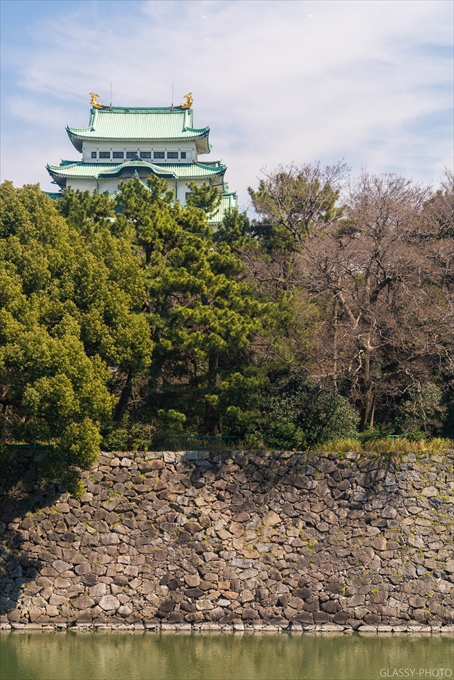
column 120, row 143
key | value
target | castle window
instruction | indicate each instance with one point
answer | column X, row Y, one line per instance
column 104, row 154
column 93, row 154
column 131, row 154
column 158, row 154
column 118, row 154
column 145, row 154
column 183, row 154
column 172, row 154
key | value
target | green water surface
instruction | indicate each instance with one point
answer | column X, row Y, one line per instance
column 224, row 656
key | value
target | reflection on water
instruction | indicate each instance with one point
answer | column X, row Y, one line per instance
column 223, row 656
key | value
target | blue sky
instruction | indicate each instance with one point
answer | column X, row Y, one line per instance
column 370, row 82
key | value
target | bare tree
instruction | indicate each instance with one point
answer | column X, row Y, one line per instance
column 390, row 318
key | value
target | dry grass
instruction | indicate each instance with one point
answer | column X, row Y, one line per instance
column 387, row 445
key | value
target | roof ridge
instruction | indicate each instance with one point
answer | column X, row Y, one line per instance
column 150, row 109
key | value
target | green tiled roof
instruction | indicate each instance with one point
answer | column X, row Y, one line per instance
column 176, row 170
column 140, row 125
column 187, row 171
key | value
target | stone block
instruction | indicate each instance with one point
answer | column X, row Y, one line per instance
column 99, row 590
column 109, row 603
column 194, row 593
column 190, row 455
column 296, row 602
column 408, row 570
column 157, row 464
column 61, row 566
column 216, row 613
column 249, row 614
column 247, row 596
column 429, row 492
column 223, row 602
column 26, row 523
column 414, row 509
column 321, row 617
column 51, row 610
column 35, row 613
column 209, row 556
column 131, row 570
column 192, row 580
column 242, row 517
column 416, row 541
column 417, row 601
column 305, row 618
column 379, row 543
column 109, row 539
column 204, row 605
column 372, row 619
column 340, row 618
column 83, row 602
column 270, row 519
column 125, row 610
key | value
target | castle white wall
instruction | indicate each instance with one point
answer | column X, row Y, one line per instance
column 81, row 184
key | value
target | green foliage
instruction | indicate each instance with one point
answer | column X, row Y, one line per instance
column 422, row 410
column 293, row 202
column 204, row 315
column 87, row 211
column 205, row 198
column 373, row 434
column 70, row 306
column 131, row 318
column 235, row 230
column 127, row 436
column 146, row 214
column 301, row 415
column 77, row 448
column 293, row 413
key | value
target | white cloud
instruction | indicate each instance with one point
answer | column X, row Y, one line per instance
column 364, row 81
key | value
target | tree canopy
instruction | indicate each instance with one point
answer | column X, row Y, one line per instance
column 127, row 319
column 70, row 309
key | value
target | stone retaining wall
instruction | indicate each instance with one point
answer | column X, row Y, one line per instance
column 233, row 540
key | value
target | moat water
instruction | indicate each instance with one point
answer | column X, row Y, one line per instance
column 211, row 656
